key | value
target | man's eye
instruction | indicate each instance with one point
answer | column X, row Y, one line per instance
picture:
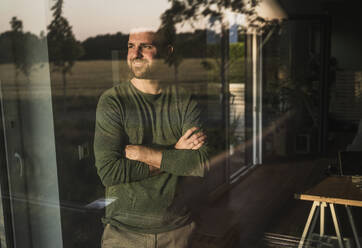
column 130, row 46
column 148, row 46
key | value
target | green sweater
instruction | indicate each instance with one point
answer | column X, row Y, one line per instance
column 143, row 202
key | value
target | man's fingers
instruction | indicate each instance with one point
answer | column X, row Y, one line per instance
column 198, row 145
column 189, row 132
column 191, row 139
column 197, row 137
column 202, row 138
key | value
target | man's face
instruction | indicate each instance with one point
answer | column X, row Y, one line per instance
column 141, row 54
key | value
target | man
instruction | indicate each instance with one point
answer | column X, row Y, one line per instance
column 147, row 141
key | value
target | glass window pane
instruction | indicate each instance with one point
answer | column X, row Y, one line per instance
column 133, row 115
column 32, row 192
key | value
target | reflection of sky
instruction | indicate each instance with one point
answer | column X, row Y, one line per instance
column 24, row 10
column 87, row 17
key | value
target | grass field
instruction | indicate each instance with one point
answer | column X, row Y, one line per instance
column 90, row 78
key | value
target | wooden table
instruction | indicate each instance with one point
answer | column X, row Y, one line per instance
column 343, row 190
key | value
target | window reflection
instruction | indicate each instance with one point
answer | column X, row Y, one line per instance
column 272, row 92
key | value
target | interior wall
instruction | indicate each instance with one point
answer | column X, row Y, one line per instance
column 346, row 44
column 346, row 21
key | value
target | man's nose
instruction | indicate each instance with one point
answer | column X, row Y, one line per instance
column 139, row 52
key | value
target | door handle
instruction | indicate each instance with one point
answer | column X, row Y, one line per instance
column 21, row 163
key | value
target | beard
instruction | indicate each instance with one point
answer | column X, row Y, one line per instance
column 140, row 68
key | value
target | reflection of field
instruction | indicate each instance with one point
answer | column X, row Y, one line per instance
column 90, row 78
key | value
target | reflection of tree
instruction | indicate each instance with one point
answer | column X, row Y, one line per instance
column 16, row 25
column 236, row 54
column 17, row 44
column 64, row 49
column 169, row 30
column 101, row 46
column 216, row 12
column 192, row 10
column 23, row 45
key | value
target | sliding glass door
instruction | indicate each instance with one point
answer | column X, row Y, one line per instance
column 29, row 176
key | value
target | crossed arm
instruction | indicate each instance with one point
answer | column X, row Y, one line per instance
column 153, row 157
column 132, row 163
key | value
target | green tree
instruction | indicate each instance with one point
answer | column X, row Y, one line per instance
column 16, row 44
column 64, row 49
column 216, row 11
column 23, row 49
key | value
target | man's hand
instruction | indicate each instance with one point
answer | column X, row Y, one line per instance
column 153, row 157
column 133, row 152
column 190, row 140
column 144, row 154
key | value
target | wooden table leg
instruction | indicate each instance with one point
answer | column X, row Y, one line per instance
column 336, row 225
column 314, row 221
column 322, row 216
column 351, row 221
column 307, row 225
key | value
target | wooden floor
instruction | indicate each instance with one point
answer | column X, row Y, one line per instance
column 262, row 202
